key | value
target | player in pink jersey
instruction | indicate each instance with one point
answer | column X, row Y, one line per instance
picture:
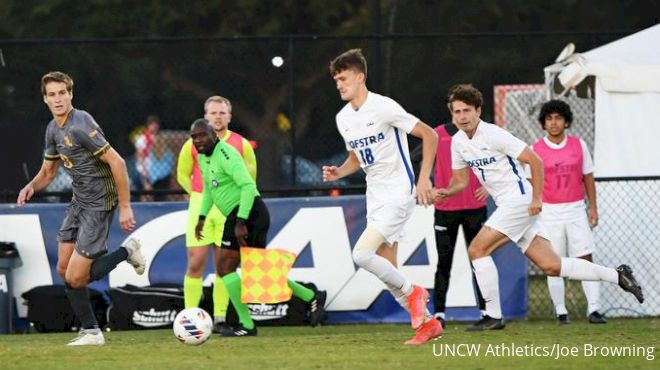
column 466, row 209
column 495, row 157
column 568, row 170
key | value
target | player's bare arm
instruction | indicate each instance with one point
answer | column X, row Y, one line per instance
column 199, row 228
column 334, row 173
column 460, row 179
column 429, row 146
column 44, row 177
column 119, row 173
column 536, row 166
column 481, row 193
column 240, row 232
column 590, row 190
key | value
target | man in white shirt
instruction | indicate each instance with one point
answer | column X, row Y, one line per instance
column 374, row 129
column 495, row 156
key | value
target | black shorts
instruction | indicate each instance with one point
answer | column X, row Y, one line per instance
column 88, row 229
column 257, row 224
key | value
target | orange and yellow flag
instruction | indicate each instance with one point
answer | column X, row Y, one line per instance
column 264, row 275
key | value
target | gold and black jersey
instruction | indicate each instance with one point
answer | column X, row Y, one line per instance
column 79, row 143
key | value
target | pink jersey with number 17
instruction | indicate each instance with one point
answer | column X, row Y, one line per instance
column 563, row 171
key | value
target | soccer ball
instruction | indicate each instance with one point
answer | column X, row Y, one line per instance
column 192, row 326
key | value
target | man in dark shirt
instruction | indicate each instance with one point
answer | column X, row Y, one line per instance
column 100, row 181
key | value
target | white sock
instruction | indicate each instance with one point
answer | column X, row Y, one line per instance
column 403, row 301
column 556, row 288
column 488, row 280
column 383, row 269
column 398, row 296
column 580, row 269
column 592, row 292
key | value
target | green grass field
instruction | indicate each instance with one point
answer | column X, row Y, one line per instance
column 340, row 347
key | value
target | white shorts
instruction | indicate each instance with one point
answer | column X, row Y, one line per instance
column 390, row 218
column 571, row 238
column 515, row 222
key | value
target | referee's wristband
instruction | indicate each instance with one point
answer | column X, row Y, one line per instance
column 202, row 217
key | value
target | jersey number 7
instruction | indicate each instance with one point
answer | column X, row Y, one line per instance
column 483, row 174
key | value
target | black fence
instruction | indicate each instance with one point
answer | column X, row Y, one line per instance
column 282, row 95
column 628, row 233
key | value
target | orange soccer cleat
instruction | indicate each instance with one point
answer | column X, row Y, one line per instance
column 428, row 331
column 417, row 306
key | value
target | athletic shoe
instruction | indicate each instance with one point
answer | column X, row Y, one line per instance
column 563, row 320
column 628, row 283
column 222, row 328
column 442, row 320
column 487, row 323
column 135, row 257
column 240, row 331
column 317, row 308
column 417, row 305
column 596, row 318
column 88, row 337
column 428, row 331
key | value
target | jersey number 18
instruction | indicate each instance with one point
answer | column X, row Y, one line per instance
column 367, row 156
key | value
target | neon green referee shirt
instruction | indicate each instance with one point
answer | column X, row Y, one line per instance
column 227, row 182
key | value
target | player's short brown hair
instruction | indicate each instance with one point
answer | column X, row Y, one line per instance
column 466, row 93
column 56, row 76
column 352, row 59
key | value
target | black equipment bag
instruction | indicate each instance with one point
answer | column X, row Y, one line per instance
column 152, row 307
column 156, row 307
column 291, row 313
column 49, row 309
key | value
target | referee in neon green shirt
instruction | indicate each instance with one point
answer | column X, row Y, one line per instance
column 229, row 186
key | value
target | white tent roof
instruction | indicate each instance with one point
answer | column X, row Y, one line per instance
column 630, row 64
column 627, row 105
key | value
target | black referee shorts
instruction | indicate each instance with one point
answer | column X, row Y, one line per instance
column 257, row 224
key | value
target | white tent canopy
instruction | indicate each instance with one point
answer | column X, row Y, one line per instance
column 627, row 109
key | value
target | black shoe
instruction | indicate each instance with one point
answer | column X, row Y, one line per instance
column 240, row 331
column 596, row 318
column 222, row 328
column 487, row 323
column 563, row 320
column 442, row 320
column 317, row 308
column 628, row 283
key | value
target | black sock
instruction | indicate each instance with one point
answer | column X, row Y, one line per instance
column 82, row 307
column 103, row 265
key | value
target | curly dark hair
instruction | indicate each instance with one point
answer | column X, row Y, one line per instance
column 556, row 106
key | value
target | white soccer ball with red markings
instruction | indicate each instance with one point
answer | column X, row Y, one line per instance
column 193, row 326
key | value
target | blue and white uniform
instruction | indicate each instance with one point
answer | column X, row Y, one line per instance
column 492, row 155
column 377, row 134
